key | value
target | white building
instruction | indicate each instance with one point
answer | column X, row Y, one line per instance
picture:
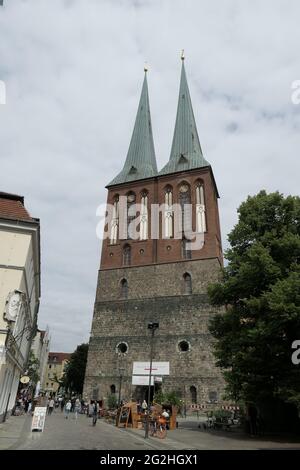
column 19, row 293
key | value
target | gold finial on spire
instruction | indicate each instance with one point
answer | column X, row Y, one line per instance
column 146, row 67
column 182, row 54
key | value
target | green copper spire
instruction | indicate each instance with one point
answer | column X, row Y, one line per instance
column 186, row 152
column 140, row 161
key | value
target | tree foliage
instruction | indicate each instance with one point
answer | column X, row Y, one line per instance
column 112, row 401
column 168, row 398
column 73, row 378
column 261, row 292
column 33, row 368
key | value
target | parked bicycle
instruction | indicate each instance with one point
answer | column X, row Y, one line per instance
column 158, row 427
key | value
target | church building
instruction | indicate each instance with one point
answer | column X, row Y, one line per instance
column 151, row 272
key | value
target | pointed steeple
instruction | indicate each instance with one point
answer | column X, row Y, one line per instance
column 186, row 153
column 140, row 161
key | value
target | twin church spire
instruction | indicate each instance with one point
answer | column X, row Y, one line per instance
column 186, row 153
column 140, row 161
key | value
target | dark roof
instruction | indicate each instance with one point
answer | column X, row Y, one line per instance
column 60, row 357
column 12, row 207
column 186, row 152
column 140, row 161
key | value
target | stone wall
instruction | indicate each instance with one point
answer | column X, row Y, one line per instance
column 157, row 280
column 181, row 318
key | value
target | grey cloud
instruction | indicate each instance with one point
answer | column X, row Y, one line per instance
column 74, row 70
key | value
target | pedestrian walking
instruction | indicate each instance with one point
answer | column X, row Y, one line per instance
column 144, row 406
column 252, row 414
column 68, row 408
column 77, row 408
column 95, row 413
column 90, row 409
column 50, row 406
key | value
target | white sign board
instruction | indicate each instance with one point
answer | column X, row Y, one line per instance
column 38, row 420
column 142, row 380
column 158, row 368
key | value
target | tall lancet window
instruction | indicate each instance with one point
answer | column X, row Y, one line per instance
column 131, row 214
column 144, row 216
column 114, row 222
column 185, row 204
column 168, row 216
column 185, row 251
column 187, row 279
column 124, row 288
column 127, row 255
column 200, row 208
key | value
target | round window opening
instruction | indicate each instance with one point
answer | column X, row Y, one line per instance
column 183, row 346
column 122, row 348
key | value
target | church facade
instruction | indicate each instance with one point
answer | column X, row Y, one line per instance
column 150, row 270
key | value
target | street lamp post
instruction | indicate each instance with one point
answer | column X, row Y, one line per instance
column 151, row 326
column 121, row 370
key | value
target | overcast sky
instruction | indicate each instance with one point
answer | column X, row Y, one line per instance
column 73, row 71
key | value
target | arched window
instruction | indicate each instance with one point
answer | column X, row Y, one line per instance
column 200, row 208
column 131, row 215
column 124, row 288
column 144, row 216
column 193, row 392
column 187, row 283
column 185, row 205
column 168, row 215
column 112, row 389
column 114, row 222
column 185, row 251
column 127, row 255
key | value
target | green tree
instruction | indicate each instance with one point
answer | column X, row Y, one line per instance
column 112, row 401
column 261, row 292
column 168, row 398
column 59, row 380
column 33, row 368
column 75, row 370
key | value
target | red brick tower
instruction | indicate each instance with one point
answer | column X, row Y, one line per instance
column 161, row 278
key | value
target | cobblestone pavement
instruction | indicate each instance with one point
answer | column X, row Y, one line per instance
column 190, row 435
column 61, row 433
column 72, row 434
column 11, row 430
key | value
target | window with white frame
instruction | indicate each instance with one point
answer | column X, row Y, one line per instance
column 114, row 222
column 144, row 217
column 185, row 204
column 200, row 208
column 168, row 216
column 131, row 214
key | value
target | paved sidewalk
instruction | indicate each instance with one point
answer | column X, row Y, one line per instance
column 188, row 436
column 60, row 433
column 71, row 434
column 12, row 430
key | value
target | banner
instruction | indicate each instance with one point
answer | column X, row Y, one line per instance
column 158, row 368
column 38, row 420
column 142, row 380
